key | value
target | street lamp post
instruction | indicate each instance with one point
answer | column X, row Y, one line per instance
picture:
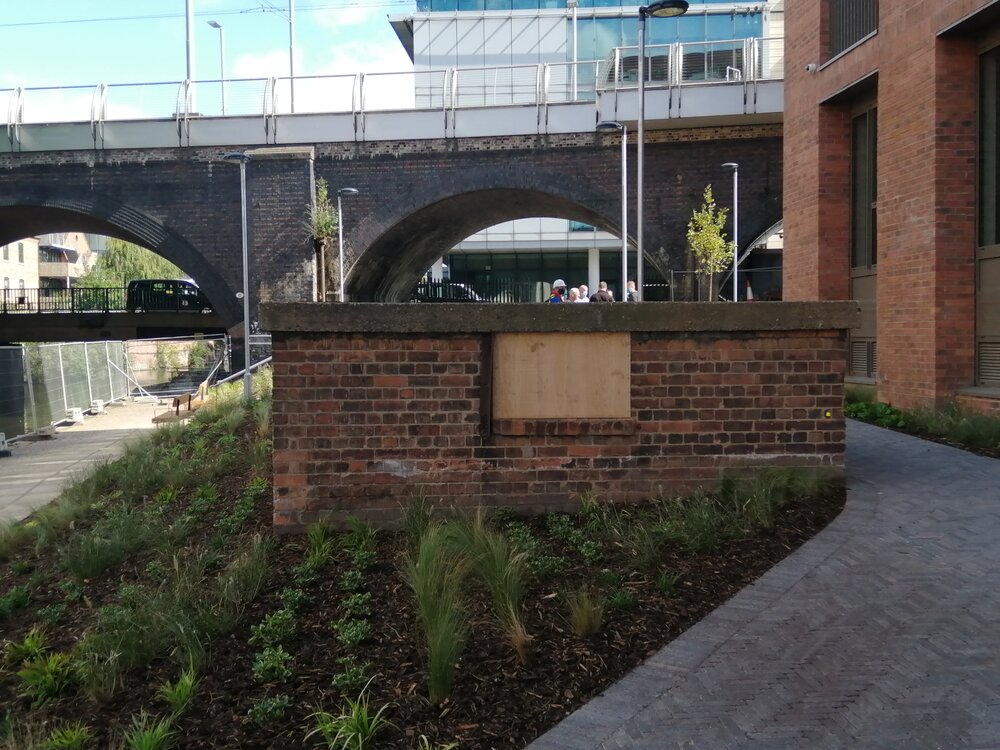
column 222, row 61
column 340, row 240
column 572, row 5
column 659, row 9
column 607, row 127
column 243, row 158
column 736, row 225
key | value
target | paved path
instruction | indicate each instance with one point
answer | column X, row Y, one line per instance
column 881, row 632
column 37, row 471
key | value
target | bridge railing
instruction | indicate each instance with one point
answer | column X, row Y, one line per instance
column 74, row 299
column 448, row 88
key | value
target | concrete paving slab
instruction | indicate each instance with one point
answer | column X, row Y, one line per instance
column 36, row 471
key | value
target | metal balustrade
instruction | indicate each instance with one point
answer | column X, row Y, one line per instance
column 740, row 61
column 85, row 299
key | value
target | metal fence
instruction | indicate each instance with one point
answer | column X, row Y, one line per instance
column 446, row 88
column 41, row 383
column 850, row 22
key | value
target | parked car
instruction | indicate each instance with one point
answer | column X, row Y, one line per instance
column 443, row 291
column 165, row 294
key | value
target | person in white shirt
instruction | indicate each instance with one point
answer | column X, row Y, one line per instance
column 584, row 293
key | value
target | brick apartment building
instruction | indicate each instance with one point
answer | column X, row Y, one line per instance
column 892, row 187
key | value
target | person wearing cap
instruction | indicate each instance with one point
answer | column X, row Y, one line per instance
column 558, row 291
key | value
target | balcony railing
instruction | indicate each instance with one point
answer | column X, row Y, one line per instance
column 739, row 60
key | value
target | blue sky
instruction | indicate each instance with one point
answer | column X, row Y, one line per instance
column 82, row 42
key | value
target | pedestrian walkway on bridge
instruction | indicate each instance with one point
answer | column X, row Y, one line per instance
column 881, row 632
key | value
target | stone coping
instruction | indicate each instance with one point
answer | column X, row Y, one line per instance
column 375, row 318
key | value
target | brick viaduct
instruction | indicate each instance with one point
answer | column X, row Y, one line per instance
column 417, row 199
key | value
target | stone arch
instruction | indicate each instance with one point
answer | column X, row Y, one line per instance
column 33, row 215
column 396, row 258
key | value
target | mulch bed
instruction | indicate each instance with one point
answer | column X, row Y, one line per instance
column 496, row 702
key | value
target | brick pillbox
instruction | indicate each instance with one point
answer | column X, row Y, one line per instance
column 529, row 406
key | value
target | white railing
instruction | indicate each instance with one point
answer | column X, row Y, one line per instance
column 740, row 60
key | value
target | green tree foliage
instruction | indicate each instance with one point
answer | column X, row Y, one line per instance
column 122, row 262
column 322, row 220
column 712, row 252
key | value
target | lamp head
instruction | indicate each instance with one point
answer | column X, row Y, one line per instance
column 237, row 156
column 347, row 191
column 731, row 165
column 215, row 24
column 665, row 9
column 608, row 125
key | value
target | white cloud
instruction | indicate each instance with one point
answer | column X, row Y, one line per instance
column 348, row 15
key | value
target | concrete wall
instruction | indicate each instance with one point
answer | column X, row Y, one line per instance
column 374, row 404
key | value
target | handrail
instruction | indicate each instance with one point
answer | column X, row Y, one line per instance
column 688, row 63
column 15, row 113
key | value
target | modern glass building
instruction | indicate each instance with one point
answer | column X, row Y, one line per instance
column 489, row 39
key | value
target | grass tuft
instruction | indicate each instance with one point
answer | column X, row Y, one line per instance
column 586, row 612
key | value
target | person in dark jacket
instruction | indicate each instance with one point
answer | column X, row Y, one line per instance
column 602, row 294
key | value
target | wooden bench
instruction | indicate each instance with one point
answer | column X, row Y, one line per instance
column 184, row 406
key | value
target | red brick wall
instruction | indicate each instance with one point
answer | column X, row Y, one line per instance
column 926, row 97
column 361, row 423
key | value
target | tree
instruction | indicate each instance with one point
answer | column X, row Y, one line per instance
column 123, row 262
column 322, row 222
column 712, row 252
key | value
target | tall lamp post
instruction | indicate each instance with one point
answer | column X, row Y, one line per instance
column 222, row 61
column 572, row 5
column 243, row 157
column 340, row 239
column 659, row 9
column 618, row 126
column 736, row 225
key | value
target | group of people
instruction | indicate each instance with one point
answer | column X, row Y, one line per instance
column 580, row 294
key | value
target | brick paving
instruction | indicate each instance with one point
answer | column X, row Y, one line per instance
column 881, row 632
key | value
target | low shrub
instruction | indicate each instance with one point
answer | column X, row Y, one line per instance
column 355, row 727
column 586, row 612
column 269, row 710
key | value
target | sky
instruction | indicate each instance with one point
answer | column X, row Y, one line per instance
column 86, row 42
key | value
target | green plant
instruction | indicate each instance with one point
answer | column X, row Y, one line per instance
column 293, row 598
column 352, row 633
column 15, row 598
column 416, row 518
column 267, row 710
column 435, row 576
column 73, row 736
column 711, row 251
column 274, row 628
column 622, row 600
column 352, row 580
column 206, row 498
column 13, row 536
column 353, row 675
column 72, row 591
column 321, row 216
column 20, row 567
column 355, row 727
column 47, row 677
column 319, row 542
column 501, row 568
column 31, row 647
column 881, row 414
column 272, row 664
column 147, row 733
column 586, row 612
column 609, row 578
column 357, row 605
column 52, row 614
column 177, row 695
column 425, row 744
column 666, row 582
column 545, row 566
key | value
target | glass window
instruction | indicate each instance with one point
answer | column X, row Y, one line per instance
column 989, row 139
column 20, row 252
column 863, row 196
column 6, row 282
column 470, row 5
column 748, row 25
column 20, row 283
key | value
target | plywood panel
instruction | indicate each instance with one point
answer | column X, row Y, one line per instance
column 561, row 376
